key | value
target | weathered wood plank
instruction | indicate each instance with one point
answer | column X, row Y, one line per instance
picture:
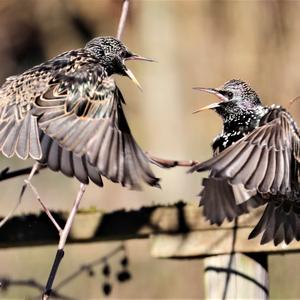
column 177, row 230
column 211, row 242
column 235, row 276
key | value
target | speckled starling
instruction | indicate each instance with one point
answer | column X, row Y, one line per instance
column 67, row 113
column 256, row 162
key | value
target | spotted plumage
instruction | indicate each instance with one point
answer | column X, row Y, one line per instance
column 256, row 162
column 67, row 113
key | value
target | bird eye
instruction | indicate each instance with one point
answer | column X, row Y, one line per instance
column 230, row 95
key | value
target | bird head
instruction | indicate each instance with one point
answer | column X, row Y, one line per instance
column 235, row 97
column 112, row 54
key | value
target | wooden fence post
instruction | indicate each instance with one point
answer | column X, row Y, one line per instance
column 236, row 276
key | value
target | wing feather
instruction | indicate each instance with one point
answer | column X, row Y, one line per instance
column 91, row 123
column 245, row 161
column 266, row 162
column 9, row 146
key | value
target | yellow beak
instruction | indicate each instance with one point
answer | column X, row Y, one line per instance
column 210, row 106
column 132, row 77
column 210, row 91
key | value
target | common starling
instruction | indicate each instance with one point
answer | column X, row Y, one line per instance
column 67, row 113
column 256, row 162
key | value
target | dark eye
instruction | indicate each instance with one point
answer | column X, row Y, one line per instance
column 229, row 95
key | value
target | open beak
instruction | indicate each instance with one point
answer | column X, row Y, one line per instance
column 210, row 106
column 132, row 77
column 132, row 56
column 210, row 91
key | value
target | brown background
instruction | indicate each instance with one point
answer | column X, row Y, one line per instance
column 197, row 43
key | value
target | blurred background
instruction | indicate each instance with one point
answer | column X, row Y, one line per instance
column 197, row 43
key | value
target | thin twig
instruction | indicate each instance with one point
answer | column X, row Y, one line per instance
column 33, row 170
column 291, row 102
column 168, row 163
column 47, row 211
column 123, row 19
column 62, row 241
column 8, row 216
column 7, row 282
column 88, row 266
column 163, row 163
column 66, row 230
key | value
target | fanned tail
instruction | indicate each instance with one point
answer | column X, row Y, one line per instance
column 222, row 200
column 280, row 220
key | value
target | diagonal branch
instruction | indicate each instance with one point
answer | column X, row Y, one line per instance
column 62, row 242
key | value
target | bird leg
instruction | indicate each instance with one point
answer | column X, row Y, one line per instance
column 62, row 241
column 167, row 163
column 27, row 183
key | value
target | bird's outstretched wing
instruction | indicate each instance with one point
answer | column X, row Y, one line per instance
column 262, row 167
column 262, row 159
column 19, row 133
column 82, row 112
column 18, row 128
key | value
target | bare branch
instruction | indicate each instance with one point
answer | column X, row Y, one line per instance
column 62, row 241
column 123, row 19
column 168, row 163
column 291, row 102
column 33, row 170
column 65, row 232
column 38, row 198
column 7, row 282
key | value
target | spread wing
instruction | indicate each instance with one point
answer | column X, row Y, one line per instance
column 82, row 111
column 19, row 132
column 262, row 160
column 18, row 128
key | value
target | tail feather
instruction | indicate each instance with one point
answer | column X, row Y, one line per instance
column 222, row 200
column 280, row 220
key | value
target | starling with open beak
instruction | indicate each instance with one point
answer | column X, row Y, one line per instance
column 256, row 162
column 67, row 113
